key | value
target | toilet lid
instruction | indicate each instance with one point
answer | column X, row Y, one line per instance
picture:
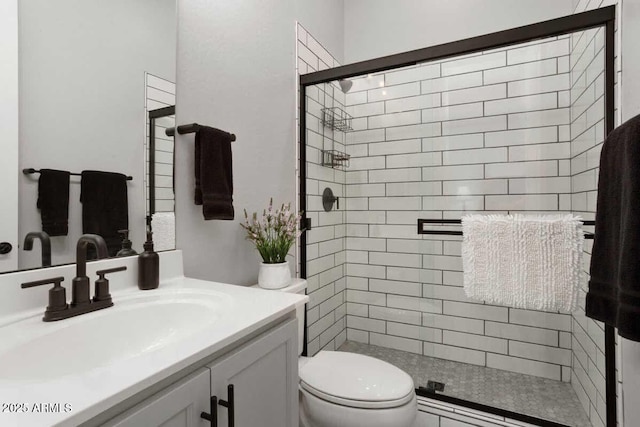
column 356, row 380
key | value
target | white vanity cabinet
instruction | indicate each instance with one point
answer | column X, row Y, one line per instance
column 179, row 405
column 262, row 373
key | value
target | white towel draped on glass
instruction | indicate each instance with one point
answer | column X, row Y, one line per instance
column 523, row 261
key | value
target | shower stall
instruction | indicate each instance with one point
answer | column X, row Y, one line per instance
column 511, row 122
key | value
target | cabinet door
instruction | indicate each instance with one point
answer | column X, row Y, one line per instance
column 179, row 405
column 264, row 376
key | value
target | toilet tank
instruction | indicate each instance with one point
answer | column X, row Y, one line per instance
column 297, row 286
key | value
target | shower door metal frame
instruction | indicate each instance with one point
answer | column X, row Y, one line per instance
column 603, row 17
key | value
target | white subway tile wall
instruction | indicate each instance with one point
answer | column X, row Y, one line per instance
column 326, row 243
column 487, row 132
column 586, row 63
column 160, row 93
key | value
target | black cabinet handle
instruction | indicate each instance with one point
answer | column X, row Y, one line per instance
column 213, row 416
column 5, row 248
column 230, row 405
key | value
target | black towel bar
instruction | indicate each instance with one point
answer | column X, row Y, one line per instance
column 30, row 171
column 421, row 229
column 190, row 128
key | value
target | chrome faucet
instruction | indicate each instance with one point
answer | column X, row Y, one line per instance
column 45, row 243
column 80, row 283
column 81, row 303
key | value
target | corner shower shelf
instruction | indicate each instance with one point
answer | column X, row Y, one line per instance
column 336, row 118
column 335, row 159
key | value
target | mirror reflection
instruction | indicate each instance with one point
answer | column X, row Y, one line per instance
column 90, row 72
column 159, row 165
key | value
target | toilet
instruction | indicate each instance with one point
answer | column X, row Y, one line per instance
column 341, row 389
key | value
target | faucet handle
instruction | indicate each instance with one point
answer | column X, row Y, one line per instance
column 57, row 294
column 55, row 281
column 101, row 292
column 101, row 273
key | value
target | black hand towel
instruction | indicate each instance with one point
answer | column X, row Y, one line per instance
column 53, row 201
column 614, row 287
column 214, row 173
column 105, row 208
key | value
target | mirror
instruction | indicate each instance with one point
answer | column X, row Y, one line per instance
column 89, row 74
column 159, row 165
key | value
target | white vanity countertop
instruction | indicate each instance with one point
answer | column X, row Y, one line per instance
column 242, row 310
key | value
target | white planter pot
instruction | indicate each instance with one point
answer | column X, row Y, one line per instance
column 274, row 276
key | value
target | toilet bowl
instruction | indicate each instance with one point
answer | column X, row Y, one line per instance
column 341, row 389
column 352, row 390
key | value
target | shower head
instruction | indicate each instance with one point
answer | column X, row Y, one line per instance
column 345, row 85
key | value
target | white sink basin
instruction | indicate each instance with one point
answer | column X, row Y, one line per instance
column 32, row 350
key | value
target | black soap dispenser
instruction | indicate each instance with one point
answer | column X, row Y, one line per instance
column 148, row 266
column 126, row 245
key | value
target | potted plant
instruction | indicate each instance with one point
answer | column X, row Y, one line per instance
column 273, row 235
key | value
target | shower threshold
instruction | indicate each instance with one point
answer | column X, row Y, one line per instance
column 524, row 394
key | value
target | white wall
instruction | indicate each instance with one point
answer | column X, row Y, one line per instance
column 325, row 20
column 236, row 71
column 376, row 28
column 630, row 27
column 9, row 126
column 82, row 99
